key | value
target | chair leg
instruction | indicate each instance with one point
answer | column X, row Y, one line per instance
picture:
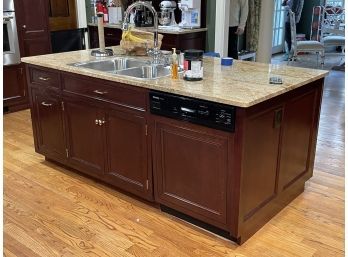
column 322, row 59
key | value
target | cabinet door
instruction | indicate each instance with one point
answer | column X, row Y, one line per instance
column 85, row 136
column 296, row 139
column 191, row 171
column 126, row 140
column 62, row 15
column 32, row 24
column 14, row 84
column 48, row 124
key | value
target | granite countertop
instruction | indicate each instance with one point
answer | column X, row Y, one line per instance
column 243, row 84
column 176, row 31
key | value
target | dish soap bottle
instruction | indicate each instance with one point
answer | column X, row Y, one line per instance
column 174, row 66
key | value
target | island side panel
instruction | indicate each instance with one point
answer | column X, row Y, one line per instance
column 278, row 155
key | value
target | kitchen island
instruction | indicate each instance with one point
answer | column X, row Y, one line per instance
column 228, row 181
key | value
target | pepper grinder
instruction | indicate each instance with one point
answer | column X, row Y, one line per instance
column 102, row 51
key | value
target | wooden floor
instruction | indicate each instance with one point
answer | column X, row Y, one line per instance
column 50, row 211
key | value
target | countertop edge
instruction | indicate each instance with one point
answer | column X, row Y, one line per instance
column 139, row 83
column 160, row 30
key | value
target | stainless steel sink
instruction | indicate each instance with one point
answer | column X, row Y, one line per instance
column 146, row 72
column 129, row 67
column 112, row 65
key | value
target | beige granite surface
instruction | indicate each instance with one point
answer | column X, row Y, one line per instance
column 177, row 31
column 243, row 84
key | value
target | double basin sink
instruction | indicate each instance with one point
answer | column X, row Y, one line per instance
column 129, row 67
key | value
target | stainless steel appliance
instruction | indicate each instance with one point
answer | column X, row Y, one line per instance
column 10, row 42
column 167, row 16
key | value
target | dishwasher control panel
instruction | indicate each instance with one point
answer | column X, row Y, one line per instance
column 206, row 113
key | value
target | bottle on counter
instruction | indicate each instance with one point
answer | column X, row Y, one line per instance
column 193, row 65
column 175, row 65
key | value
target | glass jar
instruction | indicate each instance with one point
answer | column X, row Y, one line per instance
column 193, row 65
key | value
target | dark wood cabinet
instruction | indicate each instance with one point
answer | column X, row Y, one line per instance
column 32, row 27
column 112, row 36
column 85, row 136
column 260, row 158
column 296, row 139
column 103, row 135
column 15, row 88
column 47, row 111
column 230, row 182
column 194, row 40
column 34, row 39
column 191, row 170
column 127, row 152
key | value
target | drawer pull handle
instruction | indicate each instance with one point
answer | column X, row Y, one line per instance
column 100, row 92
column 46, row 104
column 44, row 78
column 109, row 34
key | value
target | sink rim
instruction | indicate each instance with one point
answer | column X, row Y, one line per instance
column 79, row 64
column 143, row 63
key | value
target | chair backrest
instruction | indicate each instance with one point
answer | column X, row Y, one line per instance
column 316, row 26
column 333, row 16
column 293, row 30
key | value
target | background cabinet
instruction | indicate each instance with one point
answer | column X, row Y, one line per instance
column 15, row 88
column 34, row 39
column 195, row 40
column 32, row 27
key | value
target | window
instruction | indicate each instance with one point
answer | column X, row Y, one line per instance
column 278, row 27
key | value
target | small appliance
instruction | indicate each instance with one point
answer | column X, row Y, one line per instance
column 190, row 13
column 167, row 16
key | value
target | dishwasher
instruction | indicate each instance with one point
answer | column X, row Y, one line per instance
column 192, row 150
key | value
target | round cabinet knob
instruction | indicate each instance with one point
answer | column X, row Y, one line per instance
column 24, row 26
column 96, row 122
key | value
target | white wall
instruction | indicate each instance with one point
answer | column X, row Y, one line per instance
column 81, row 13
column 222, row 26
column 81, row 18
column 264, row 52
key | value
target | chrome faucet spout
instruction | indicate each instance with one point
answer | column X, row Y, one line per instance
column 155, row 52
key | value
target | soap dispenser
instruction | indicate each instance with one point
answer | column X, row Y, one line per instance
column 174, row 65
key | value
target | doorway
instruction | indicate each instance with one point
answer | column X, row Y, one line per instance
column 278, row 27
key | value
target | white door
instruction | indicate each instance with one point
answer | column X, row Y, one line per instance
column 278, row 27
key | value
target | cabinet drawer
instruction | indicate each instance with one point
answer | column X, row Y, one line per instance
column 44, row 77
column 115, row 92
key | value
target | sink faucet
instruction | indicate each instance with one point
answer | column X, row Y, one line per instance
column 155, row 52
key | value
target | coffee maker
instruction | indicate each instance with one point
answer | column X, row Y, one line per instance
column 190, row 13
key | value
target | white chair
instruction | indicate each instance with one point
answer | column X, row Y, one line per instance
column 304, row 46
column 332, row 27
